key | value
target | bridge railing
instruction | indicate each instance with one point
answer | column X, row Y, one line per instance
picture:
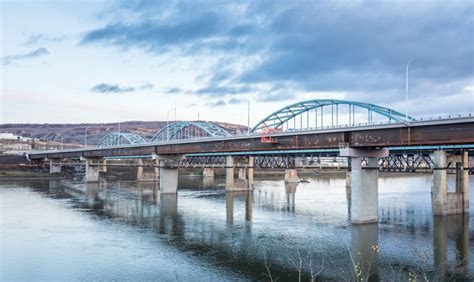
column 378, row 123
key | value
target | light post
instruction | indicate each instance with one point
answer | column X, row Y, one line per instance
column 85, row 137
column 406, row 90
column 118, row 134
column 248, row 115
column 168, row 123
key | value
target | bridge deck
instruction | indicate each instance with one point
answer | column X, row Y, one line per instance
column 421, row 133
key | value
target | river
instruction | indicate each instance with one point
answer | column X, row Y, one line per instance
column 123, row 230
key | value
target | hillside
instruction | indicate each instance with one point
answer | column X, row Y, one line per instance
column 74, row 133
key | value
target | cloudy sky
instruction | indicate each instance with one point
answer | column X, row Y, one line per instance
column 101, row 61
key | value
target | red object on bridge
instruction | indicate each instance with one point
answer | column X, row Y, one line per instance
column 266, row 138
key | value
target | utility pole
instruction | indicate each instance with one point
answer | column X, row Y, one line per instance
column 168, row 123
column 248, row 115
column 406, row 90
column 118, row 134
column 85, row 137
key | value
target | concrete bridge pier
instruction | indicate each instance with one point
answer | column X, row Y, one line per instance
column 291, row 176
column 169, row 174
column 54, row 167
column 444, row 202
column 364, row 182
column 103, row 167
column 92, row 171
column 208, row 172
column 157, row 169
column 208, row 177
column 141, row 174
column 245, row 180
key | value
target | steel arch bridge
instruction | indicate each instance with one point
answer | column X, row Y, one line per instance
column 115, row 138
column 189, row 130
column 282, row 117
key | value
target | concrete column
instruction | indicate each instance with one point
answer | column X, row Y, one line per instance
column 464, row 183
column 231, row 184
column 208, row 177
column 208, row 172
column 229, row 172
column 444, row 202
column 439, row 187
column 364, row 249
column 92, row 171
column 364, row 194
column 103, row 167
column 242, row 173
column 348, row 179
column 291, row 176
column 140, row 170
column 157, row 169
column 54, row 168
column 169, row 174
column 250, row 171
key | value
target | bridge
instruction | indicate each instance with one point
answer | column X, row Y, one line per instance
column 361, row 132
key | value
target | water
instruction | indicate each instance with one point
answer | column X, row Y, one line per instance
column 53, row 230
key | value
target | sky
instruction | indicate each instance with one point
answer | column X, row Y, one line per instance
column 110, row 61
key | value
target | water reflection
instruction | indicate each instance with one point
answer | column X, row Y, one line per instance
column 239, row 231
column 456, row 228
column 290, row 189
column 230, row 197
column 364, row 251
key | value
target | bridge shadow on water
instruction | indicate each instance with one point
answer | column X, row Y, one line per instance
column 282, row 231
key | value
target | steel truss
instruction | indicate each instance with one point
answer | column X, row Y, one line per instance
column 189, row 130
column 115, row 138
column 277, row 119
column 396, row 161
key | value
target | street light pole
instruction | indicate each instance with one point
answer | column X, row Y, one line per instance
column 168, row 123
column 85, row 137
column 118, row 134
column 406, row 90
column 248, row 115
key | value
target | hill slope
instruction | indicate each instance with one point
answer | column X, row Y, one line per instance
column 75, row 133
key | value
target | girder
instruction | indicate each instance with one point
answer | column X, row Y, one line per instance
column 115, row 138
column 182, row 130
column 280, row 117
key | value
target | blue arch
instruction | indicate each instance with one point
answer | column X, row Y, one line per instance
column 278, row 118
column 112, row 139
column 171, row 131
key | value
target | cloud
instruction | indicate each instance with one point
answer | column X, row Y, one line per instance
column 36, row 38
column 115, row 88
column 231, row 101
column 40, row 52
column 219, row 103
column 219, row 90
column 359, row 48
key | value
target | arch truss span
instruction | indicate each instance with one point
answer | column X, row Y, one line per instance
column 189, row 130
column 115, row 139
column 324, row 113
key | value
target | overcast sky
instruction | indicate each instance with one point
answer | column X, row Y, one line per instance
column 107, row 61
